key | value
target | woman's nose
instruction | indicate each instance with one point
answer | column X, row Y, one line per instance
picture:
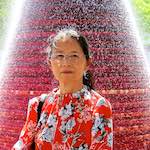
column 66, row 59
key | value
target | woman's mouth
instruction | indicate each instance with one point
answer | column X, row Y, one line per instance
column 67, row 72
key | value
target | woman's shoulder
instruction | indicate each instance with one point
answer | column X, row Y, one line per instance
column 101, row 104
column 45, row 98
column 41, row 98
column 99, row 100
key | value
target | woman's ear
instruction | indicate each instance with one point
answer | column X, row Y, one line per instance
column 49, row 63
column 89, row 62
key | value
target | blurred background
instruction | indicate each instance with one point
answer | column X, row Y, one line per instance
column 5, row 14
column 141, row 10
column 119, row 69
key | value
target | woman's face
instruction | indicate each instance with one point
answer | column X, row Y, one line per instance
column 68, row 61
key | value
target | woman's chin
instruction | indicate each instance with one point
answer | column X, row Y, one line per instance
column 67, row 78
column 67, row 75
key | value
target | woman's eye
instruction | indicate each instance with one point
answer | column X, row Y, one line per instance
column 75, row 55
column 60, row 56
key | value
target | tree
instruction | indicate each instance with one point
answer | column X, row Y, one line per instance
column 142, row 12
column 5, row 7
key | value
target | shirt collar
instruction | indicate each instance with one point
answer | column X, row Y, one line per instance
column 77, row 94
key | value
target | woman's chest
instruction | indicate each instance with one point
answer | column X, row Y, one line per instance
column 69, row 121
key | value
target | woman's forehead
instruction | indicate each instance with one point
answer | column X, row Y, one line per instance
column 63, row 51
column 68, row 41
column 67, row 45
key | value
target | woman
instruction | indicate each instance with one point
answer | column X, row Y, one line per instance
column 73, row 116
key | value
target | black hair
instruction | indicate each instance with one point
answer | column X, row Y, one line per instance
column 87, row 77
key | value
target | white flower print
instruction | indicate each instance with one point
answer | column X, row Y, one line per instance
column 76, row 95
column 43, row 97
column 110, row 124
column 75, row 137
column 85, row 114
column 99, row 124
column 51, row 120
column 101, row 102
column 43, row 118
column 67, row 125
column 70, row 124
column 83, row 147
column 66, row 111
column 84, row 89
column 51, row 99
column 110, row 139
column 47, row 134
column 33, row 103
column 60, row 147
column 87, row 95
column 19, row 145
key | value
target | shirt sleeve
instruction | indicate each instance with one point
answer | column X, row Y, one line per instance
column 29, row 129
column 102, row 129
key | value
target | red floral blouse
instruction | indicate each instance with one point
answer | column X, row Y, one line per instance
column 73, row 121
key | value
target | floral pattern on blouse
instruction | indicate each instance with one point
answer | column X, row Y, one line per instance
column 74, row 121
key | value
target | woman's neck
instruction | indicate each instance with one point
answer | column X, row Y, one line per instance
column 70, row 87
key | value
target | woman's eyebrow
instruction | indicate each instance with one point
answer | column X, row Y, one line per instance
column 61, row 51
column 58, row 51
column 74, row 51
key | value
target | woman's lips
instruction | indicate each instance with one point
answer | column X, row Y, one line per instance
column 66, row 71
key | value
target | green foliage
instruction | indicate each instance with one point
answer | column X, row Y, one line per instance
column 142, row 8
column 142, row 12
column 5, row 7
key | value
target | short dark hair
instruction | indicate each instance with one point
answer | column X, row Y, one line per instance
column 87, row 77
